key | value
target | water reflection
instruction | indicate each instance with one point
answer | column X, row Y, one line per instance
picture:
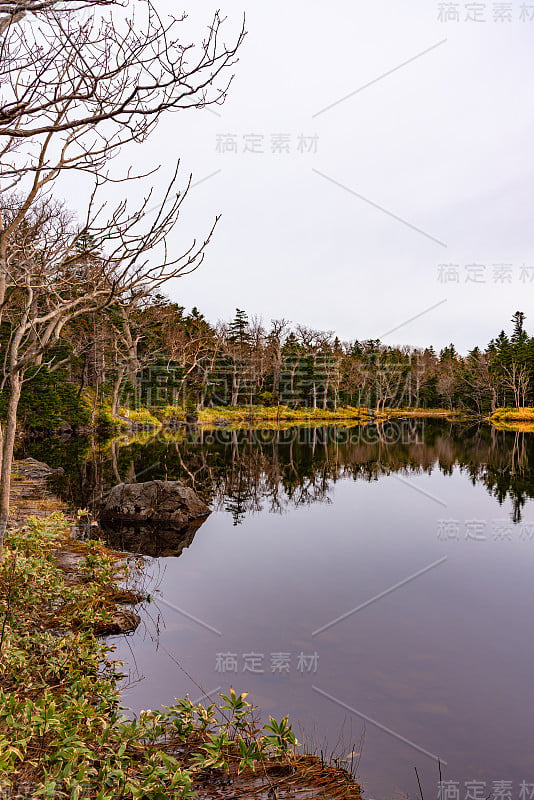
column 244, row 471
column 151, row 540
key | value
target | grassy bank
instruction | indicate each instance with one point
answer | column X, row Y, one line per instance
column 258, row 413
column 436, row 413
column 273, row 415
column 513, row 419
column 62, row 731
column 99, row 416
column 239, row 415
column 525, row 414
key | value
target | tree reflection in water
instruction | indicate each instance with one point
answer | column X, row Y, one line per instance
column 243, row 471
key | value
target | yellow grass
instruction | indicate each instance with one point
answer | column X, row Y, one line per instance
column 513, row 419
column 423, row 412
column 280, row 413
column 524, row 414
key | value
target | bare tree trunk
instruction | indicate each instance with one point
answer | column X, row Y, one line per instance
column 95, row 404
column 131, row 343
column 236, row 382
column 7, row 453
column 116, row 390
column 115, row 461
column 292, row 381
column 3, row 266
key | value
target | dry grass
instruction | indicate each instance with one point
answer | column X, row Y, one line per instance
column 524, row 414
column 513, row 419
column 438, row 413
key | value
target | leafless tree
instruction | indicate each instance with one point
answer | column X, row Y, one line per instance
column 193, row 351
column 120, row 66
column 448, row 379
column 516, row 378
column 12, row 7
column 74, row 91
column 275, row 341
column 482, row 381
column 318, row 344
column 13, row 11
column 354, row 376
column 51, row 280
column 388, row 379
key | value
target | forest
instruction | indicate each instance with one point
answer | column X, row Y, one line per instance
column 153, row 354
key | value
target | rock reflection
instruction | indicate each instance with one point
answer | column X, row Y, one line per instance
column 150, row 540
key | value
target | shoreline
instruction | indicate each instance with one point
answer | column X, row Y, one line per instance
column 63, row 728
column 228, row 416
column 509, row 420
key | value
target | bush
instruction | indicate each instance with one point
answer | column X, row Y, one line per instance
column 47, row 401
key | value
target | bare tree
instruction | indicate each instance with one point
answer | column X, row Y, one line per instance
column 317, row 343
column 51, row 282
column 275, row 341
column 516, row 377
column 74, row 92
column 192, row 350
column 113, row 66
column 14, row 11
column 13, row 7
column 354, row 375
column 482, row 380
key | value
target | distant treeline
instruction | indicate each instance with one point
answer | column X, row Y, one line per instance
column 155, row 354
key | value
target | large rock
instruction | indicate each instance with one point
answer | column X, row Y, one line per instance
column 153, row 501
column 31, row 468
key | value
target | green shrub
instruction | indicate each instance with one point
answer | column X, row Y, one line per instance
column 47, row 401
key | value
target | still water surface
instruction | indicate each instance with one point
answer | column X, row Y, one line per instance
column 376, row 584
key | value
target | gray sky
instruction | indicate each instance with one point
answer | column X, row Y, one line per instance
column 429, row 165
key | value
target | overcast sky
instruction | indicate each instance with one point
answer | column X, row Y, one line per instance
column 418, row 152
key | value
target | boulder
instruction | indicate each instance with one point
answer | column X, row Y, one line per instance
column 31, row 468
column 153, row 501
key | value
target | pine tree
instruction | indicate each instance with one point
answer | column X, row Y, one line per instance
column 238, row 330
column 519, row 334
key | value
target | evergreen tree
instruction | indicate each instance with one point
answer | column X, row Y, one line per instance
column 519, row 334
column 238, row 330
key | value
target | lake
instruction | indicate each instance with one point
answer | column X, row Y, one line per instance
column 375, row 583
